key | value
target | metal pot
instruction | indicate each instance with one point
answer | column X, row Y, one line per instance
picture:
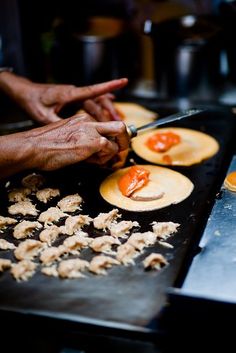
column 186, row 57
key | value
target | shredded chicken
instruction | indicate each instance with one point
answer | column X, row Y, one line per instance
column 23, row 270
column 25, row 229
column 52, row 214
column 126, row 253
column 72, row 268
column 75, row 223
column 20, row 194
column 104, row 220
column 52, row 254
column 5, row 221
column 28, row 249
column 49, row 234
column 104, row 244
column 164, row 230
column 6, row 245
column 120, row 229
column 33, row 181
column 24, row 208
column 70, row 203
column 44, row 195
column 141, row 240
column 50, row 271
column 154, row 261
column 100, row 263
column 5, row 264
column 75, row 243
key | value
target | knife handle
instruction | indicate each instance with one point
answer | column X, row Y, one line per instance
column 131, row 130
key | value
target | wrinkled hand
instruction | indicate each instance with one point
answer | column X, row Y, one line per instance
column 44, row 101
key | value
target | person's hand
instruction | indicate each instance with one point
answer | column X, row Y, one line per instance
column 44, row 101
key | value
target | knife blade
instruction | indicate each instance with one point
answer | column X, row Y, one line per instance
column 133, row 130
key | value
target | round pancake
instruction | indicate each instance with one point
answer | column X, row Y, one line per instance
column 195, row 146
column 174, row 186
column 230, row 181
column 133, row 113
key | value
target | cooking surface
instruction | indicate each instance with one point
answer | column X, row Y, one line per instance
column 127, row 297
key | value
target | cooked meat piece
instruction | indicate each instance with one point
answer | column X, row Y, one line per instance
column 75, row 223
column 49, row 234
column 165, row 244
column 100, row 263
column 25, row 229
column 24, row 208
column 164, row 230
column 104, row 220
column 23, row 270
column 104, row 244
column 20, row 194
column 75, row 243
column 72, row 268
column 140, row 240
column 6, row 245
column 120, row 229
column 33, row 181
column 50, row 271
column 52, row 254
column 44, row 195
column 4, row 264
column 126, row 253
column 154, row 261
column 28, row 249
column 70, row 203
column 5, row 221
column 52, row 214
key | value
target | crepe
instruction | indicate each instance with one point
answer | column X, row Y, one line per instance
column 194, row 147
column 230, row 181
column 171, row 186
column 133, row 113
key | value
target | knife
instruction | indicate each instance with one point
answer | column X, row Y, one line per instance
column 133, row 130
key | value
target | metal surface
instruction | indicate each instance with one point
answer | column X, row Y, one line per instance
column 127, row 298
column 133, row 131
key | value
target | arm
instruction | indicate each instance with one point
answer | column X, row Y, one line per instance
column 44, row 101
column 62, row 143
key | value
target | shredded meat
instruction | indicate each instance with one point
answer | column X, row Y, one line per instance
column 52, row 254
column 75, row 243
column 44, row 195
column 5, row 264
column 50, row 271
column 120, row 229
column 23, row 270
column 70, row 203
column 28, row 249
column 72, row 268
column 6, row 245
column 104, row 244
column 100, row 263
column 20, row 194
column 50, row 234
column 24, row 208
column 75, row 223
column 5, row 221
column 140, row 240
column 52, row 214
column 164, row 230
column 155, row 261
column 104, row 220
column 126, row 253
column 33, row 181
column 25, row 229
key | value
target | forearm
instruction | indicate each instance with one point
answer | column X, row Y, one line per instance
column 16, row 154
column 12, row 84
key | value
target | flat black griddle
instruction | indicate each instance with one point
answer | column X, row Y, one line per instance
column 127, row 298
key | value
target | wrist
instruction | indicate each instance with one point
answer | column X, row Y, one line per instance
column 12, row 84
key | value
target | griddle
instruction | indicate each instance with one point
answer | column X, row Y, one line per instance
column 128, row 299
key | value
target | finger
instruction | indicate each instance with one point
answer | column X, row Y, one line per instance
column 107, row 104
column 96, row 110
column 82, row 93
column 108, row 150
column 115, row 129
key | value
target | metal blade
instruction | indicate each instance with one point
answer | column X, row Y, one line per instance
column 133, row 131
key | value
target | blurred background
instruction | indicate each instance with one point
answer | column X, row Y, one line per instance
column 168, row 49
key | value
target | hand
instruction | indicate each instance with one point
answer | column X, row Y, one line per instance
column 44, row 101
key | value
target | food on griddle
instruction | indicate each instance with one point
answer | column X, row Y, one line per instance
column 70, row 203
column 49, row 255
column 104, row 244
column 154, row 261
column 28, row 249
column 230, row 181
column 120, row 229
column 126, row 253
column 72, row 268
column 100, row 263
column 33, row 181
column 104, row 220
column 141, row 240
column 75, row 243
column 189, row 147
column 164, row 230
column 134, row 114
column 20, row 194
column 6, row 245
column 52, row 214
column 6, row 221
column 24, row 208
column 5, row 264
column 44, row 195
column 25, row 229
column 50, row 271
column 75, row 223
column 23, row 270
column 173, row 186
column 49, row 234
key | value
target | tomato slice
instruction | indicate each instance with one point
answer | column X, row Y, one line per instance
column 163, row 141
column 135, row 178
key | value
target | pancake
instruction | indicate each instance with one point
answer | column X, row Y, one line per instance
column 133, row 113
column 171, row 187
column 194, row 147
column 230, row 181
